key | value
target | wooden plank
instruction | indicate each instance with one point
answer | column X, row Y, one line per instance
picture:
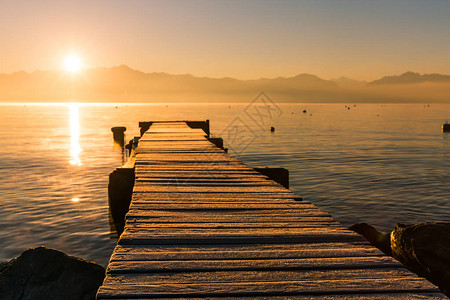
column 321, row 263
column 219, row 206
column 241, row 252
column 204, row 180
column 146, row 143
column 306, row 287
column 205, row 183
column 241, row 226
column 204, row 232
column 173, row 238
column 221, row 196
column 227, row 220
column 201, row 166
column 166, row 175
column 204, row 189
column 144, row 199
column 163, row 150
column 238, row 213
column 416, row 295
column 223, row 220
column 264, row 276
column 378, row 295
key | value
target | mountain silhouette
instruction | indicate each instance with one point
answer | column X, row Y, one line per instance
column 411, row 77
column 124, row 84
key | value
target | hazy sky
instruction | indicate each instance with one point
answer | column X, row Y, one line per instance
column 243, row 39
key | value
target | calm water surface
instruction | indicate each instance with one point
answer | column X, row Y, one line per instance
column 375, row 163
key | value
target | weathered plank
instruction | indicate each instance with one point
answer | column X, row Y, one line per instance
column 221, row 196
column 207, row 183
column 321, row 263
column 227, row 220
column 375, row 295
column 205, row 189
column 221, row 216
column 134, row 238
column 323, row 287
column 221, row 206
column 241, row 252
column 264, row 276
column 158, row 175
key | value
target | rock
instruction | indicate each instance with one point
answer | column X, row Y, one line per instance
column 425, row 249
column 42, row 273
column 376, row 238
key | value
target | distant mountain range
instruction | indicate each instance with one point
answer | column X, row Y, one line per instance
column 411, row 77
column 123, row 84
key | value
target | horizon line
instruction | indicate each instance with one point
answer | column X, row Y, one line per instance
column 219, row 77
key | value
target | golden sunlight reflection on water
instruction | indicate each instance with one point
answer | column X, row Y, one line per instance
column 75, row 134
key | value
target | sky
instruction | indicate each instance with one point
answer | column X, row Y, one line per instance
column 245, row 39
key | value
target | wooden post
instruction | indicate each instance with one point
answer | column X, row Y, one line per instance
column 120, row 190
column 119, row 135
column 280, row 175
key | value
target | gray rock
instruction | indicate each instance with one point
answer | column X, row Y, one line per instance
column 42, row 273
column 425, row 249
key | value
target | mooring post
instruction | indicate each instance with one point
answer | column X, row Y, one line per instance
column 280, row 175
column 120, row 190
column 119, row 135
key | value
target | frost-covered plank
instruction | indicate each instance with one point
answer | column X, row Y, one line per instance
column 275, row 251
column 232, row 238
column 205, row 183
column 221, row 196
column 222, row 218
column 256, row 289
column 213, row 232
column 181, row 225
column 322, row 263
column 237, row 213
column 233, row 189
column 222, row 206
column 265, row 276
column 166, row 175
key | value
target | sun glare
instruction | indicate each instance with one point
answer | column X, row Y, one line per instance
column 72, row 63
column 75, row 150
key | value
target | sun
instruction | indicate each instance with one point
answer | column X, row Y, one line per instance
column 72, row 64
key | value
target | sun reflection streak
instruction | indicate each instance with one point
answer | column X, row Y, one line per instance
column 75, row 134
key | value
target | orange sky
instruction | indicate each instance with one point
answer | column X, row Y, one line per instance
column 243, row 39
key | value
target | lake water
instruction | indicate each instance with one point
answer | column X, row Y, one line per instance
column 375, row 163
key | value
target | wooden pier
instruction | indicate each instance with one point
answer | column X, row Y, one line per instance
column 202, row 224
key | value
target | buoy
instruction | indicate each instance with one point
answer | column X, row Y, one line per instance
column 272, row 129
column 446, row 127
column 304, row 111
